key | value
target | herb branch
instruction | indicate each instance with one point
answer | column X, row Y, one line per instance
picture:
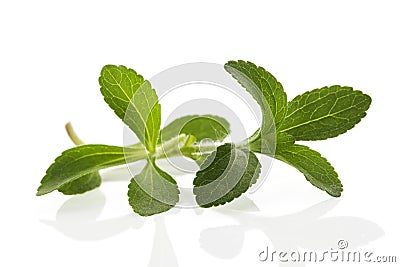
column 226, row 170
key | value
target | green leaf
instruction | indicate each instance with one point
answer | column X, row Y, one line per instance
column 200, row 126
column 118, row 85
column 84, row 160
column 81, row 185
column 152, row 191
column 253, row 79
column 134, row 101
column 325, row 113
column 225, row 175
column 282, row 140
column 317, row 170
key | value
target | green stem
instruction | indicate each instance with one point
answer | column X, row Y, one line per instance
column 135, row 153
column 171, row 147
column 196, row 151
column 181, row 145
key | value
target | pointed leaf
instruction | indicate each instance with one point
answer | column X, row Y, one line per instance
column 118, row 85
column 261, row 79
column 317, row 170
column 134, row 101
column 83, row 160
column 325, row 113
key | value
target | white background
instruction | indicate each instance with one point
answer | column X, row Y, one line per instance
column 51, row 53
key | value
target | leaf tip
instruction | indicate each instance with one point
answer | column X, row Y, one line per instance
column 40, row 192
column 336, row 194
column 335, row 191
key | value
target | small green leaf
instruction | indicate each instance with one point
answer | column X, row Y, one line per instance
column 253, row 79
column 81, row 185
column 83, row 160
column 200, row 126
column 225, row 175
column 325, row 113
column 317, row 170
column 134, row 101
column 152, row 191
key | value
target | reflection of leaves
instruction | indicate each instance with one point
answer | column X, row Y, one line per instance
column 357, row 231
column 304, row 229
column 213, row 241
column 80, row 222
column 245, row 204
column 162, row 253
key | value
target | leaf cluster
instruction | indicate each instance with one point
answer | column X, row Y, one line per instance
column 225, row 172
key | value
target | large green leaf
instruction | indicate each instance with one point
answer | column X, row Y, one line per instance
column 134, row 101
column 200, row 126
column 118, row 86
column 324, row 113
column 152, row 191
column 317, row 170
column 254, row 79
column 225, row 175
column 84, row 160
